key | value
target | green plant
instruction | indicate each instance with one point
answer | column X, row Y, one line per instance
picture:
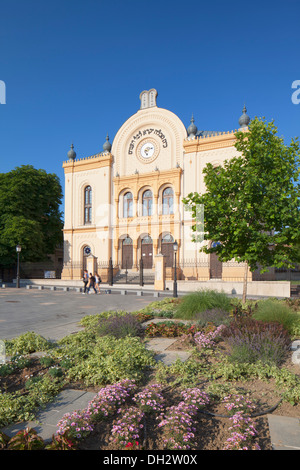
column 92, row 321
column 165, row 306
column 4, row 440
column 16, row 362
column 199, row 301
column 6, row 369
column 120, row 326
column 65, row 363
column 22, row 407
column 32, row 381
column 252, row 340
column 55, row 372
column 47, row 361
column 243, row 310
column 26, row 439
column 61, row 442
column 109, row 360
column 27, row 343
column 215, row 316
column 274, row 311
column 169, row 329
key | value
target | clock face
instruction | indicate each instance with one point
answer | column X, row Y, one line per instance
column 147, row 150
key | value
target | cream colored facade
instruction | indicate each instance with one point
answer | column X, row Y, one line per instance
column 136, row 186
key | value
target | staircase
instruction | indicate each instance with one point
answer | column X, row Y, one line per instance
column 133, row 277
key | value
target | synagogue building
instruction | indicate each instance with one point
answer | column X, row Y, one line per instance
column 125, row 202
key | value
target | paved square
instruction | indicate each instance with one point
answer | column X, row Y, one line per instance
column 55, row 314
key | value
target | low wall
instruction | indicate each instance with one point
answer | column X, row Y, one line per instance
column 51, row 282
column 254, row 288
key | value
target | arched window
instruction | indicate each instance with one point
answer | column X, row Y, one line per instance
column 147, row 202
column 88, row 205
column 128, row 205
column 167, row 201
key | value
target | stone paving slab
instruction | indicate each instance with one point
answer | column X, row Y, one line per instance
column 285, row 432
column 159, row 344
column 169, row 357
column 46, row 420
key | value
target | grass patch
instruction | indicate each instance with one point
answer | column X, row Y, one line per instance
column 274, row 311
column 200, row 301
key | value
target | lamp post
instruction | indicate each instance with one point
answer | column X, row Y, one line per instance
column 175, row 248
column 18, row 250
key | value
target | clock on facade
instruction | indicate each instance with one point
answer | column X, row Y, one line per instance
column 147, row 150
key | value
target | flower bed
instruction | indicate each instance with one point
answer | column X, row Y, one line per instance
column 169, row 329
column 170, row 411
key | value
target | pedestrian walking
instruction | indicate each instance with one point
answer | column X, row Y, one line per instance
column 91, row 284
column 85, row 280
column 97, row 282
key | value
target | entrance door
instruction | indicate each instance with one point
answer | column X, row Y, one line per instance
column 167, row 249
column 215, row 266
column 127, row 253
column 147, row 252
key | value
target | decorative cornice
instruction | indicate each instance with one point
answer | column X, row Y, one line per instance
column 89, row 163
column 136, row 181
column 213, row 142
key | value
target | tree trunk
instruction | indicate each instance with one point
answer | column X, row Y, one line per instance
column 245, row 283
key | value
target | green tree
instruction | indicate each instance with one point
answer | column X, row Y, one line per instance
column 29, row 214
column 251, row 203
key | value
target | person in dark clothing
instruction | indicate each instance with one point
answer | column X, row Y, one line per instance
column 91, row 283
column 85, row 280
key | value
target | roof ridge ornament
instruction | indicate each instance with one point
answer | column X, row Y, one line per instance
column 107, row 145
column 244, row 119
column 72, row 153
column 148, row 98
column 192, row 129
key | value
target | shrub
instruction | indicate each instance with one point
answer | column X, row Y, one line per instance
column 92, row 321
column 32, row 381
column 26, row 439
column 126, row 431
column 252, row 340
column 119, row 326
column 27, row 343
column 216, row 316
column 274, row 311
column 165, row 307
column 55, row 372
column 150, row 400
column 200, row 301
column 6, row 369
column 168, row 329
column 46, row 361
column 110, row 360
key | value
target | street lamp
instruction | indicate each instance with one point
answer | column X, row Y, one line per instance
column 18, row 250
column 175, row 248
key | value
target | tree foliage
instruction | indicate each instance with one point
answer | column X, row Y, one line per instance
column 251, row 203
column 29, row 214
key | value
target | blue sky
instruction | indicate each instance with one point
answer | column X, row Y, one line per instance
column 74, row 69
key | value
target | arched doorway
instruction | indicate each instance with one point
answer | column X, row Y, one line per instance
column 86, row 253
column 167, row 249
column 215, row 265
column 147, row 252
column 127, row 253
